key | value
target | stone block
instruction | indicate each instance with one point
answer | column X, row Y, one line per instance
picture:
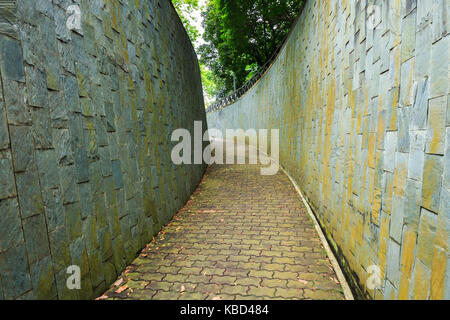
column 59, row 245
column 87, row 207
column 53, row 72
column 14, row 267
column 390, row 149
column 432, row 182
column 22, row 146
column 408, row 36
column 15, row 94
column 36, row 87
column 71, row 93
column 398, row 211
column 416, row 155
column 419, row 112
column 446, row 182
column 11, row 226
column 412, row 205
column 67, row 58
column 421, row 282
column 11, row 60
column 61, row 141
column 45, row 7
column 89, row 229
column 68, row 187
column 423, row 52
column 54, row 210
column 7, row 185
column 62, row 32
column 447, row 124
column 436, row 125
column 28, row 189
column 48, row 168
column 81, row 165
column 42, row 128
column 427, row 233
column 58, row 110
column 79, row 256
column 117, row 174
column 407, row 83
column 439, row 71
column 35, row 233
column 73, row 220
column 105, row 159
column 4, row 134
column 46, row 32
column 403, row 138
column 43, row 279
column 393, row 263
column 440, row 19
column 105, row 240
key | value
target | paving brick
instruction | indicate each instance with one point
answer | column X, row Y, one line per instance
column 208, row 267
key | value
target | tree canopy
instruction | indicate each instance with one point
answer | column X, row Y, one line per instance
column 184, row 9
column 241, row 36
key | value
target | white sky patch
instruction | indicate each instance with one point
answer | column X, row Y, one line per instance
column 197, row 21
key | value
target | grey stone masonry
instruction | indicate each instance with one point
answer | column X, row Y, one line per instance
column 86, row 115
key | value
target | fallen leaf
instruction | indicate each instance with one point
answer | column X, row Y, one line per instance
column 217, row 298
column 182, row 289
column 303, row 281
column 118, row 282
column 122, row 289
column 103, row 297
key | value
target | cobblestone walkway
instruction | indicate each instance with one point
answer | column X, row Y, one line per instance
column 241, row 236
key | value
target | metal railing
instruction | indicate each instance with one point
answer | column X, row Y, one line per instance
column 261, row 71
column 249, row 84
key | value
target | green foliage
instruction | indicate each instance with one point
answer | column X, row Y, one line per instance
column 251, row 69
column 208, row 81
column 242, row 35
column 185, row 9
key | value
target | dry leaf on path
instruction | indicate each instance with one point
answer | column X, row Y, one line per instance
column 121, row 289
column 303, row 281
column 118, row 282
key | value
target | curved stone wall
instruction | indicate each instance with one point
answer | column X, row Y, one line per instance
column 363, row 110
column 86, row 115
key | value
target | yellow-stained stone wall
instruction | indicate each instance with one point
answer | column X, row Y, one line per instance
column 364, row 119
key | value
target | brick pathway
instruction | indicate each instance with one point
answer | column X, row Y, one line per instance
column 241, row 236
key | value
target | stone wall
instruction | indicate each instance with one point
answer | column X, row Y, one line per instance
column 86, row 116
column 364, row 119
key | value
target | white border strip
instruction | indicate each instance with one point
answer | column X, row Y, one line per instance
column 347, row 292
